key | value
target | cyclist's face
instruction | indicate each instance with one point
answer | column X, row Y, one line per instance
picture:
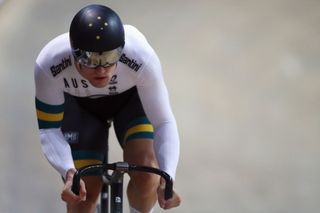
column 99, row 76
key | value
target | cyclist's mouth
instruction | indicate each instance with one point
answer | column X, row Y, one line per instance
column 103, row 78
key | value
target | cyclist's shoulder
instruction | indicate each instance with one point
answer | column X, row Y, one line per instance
column 137, row 50
column 56, row 46
column 135, row 42
column 55, row 56
column 133, row 33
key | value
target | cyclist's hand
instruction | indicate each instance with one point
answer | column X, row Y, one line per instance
column 167, row 204
column 67, row 195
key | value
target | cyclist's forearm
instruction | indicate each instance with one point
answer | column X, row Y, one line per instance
column 56, row 150
column 167, row 147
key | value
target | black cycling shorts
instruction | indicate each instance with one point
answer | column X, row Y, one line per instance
column 87, row 120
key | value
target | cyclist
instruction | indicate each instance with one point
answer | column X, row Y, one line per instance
column 104, row 72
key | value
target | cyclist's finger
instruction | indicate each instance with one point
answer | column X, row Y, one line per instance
column 83, row 192
column 161, row 200
column 69, row 197
column 173, row 202
column 168, row 204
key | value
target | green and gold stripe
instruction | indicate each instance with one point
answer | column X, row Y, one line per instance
column 83, row 158
column 49, row 116
column 138, row 129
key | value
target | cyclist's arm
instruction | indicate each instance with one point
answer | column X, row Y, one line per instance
column 155, row 99
column 49, row 105
column 56, row 150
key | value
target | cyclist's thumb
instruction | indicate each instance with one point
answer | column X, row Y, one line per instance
column 161, row 199
column 83, row 191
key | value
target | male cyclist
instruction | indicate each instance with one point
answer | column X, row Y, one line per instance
column 103, row 72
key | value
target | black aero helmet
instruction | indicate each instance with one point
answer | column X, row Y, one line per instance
column 96, row 36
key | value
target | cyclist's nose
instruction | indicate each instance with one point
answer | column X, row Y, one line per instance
column 100, row 69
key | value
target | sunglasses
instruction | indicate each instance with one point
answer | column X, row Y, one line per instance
column 97, row 59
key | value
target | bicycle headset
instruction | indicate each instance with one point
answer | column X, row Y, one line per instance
column 96, row 36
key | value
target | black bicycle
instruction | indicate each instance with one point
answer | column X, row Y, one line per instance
column 111, row 197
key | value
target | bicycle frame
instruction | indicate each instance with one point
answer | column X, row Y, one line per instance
column 115, row 182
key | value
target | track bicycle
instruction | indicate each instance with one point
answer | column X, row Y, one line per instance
column 111, row 196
